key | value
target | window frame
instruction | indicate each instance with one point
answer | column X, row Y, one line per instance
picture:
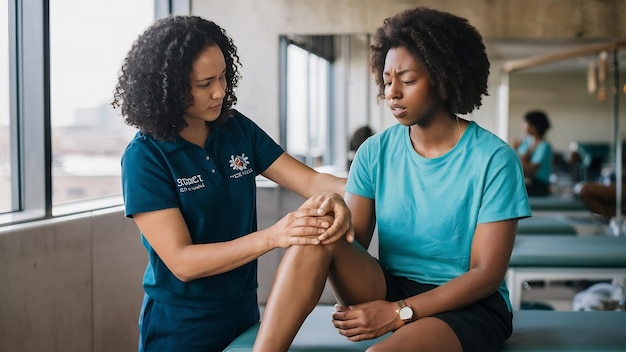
column 309, row 45
column 30, row 118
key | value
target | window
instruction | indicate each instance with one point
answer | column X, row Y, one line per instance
column 6, row 196
column 60, row 139
column 88, row 135
column 308, row 76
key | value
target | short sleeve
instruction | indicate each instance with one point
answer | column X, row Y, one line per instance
column 540, row 153
column 360, row 176
column 504, row 195
column 146, row 180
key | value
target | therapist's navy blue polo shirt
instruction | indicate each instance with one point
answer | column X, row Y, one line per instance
column 215, row 189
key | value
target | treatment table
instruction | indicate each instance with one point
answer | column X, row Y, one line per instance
column 533, row 331
column 555, row 203
column 557, row 257
column 553, row 224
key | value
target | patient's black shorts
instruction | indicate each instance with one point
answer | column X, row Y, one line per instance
column 481, row 327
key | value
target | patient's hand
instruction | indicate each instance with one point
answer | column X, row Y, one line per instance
column 367, row 320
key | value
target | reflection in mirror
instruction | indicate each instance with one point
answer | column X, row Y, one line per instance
column 325, row 95
column 583, row 91
column 308, row 67
column 571, row 85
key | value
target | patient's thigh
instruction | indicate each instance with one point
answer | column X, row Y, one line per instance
column 356, row 276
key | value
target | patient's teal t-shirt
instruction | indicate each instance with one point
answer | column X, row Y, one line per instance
column 427, row 209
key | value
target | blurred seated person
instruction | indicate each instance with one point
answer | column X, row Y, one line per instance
column 574, row 163
column 601, row 197
column 535, row 153
column 358, row 137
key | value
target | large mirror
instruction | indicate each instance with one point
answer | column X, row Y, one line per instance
column 327, row 93
column 582, row 89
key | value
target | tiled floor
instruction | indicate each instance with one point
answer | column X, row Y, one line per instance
column 558, row 296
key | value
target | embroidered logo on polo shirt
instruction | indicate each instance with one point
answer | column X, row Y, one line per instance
column 239, row 163
column 192, row 183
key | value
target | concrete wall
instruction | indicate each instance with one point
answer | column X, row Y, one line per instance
column 71, row 284
column 503, row 19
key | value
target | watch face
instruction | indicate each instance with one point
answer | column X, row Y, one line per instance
column 406, row 313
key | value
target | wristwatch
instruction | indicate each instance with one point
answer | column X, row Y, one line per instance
column 404, row 312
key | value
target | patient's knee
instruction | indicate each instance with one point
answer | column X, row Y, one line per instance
column 319, row 249
column 376, row 348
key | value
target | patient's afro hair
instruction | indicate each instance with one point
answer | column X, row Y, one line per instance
column 451, row 50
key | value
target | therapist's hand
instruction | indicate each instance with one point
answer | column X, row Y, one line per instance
column 332, row 204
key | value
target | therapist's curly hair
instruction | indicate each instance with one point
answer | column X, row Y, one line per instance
column 153, row 86
column 451, row 50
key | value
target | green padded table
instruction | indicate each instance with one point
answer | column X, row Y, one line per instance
column 316, row 335
column 554, row 331
column 553, row 224
column 557, row 257
column 555, row 203
column 533, row 331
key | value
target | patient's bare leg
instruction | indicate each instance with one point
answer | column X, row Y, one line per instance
column 299, row 283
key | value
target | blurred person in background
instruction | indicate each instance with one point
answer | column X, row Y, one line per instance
column 535, row 153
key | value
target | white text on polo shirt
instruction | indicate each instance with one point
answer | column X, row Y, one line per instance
column 241, row 173
column 190, row 183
